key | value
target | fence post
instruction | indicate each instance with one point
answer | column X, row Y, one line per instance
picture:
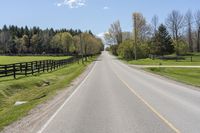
column 43, row 66
column 47, row 65
column 191, row 59
column 54, row 65
column 26, row 67
column 6, row 70
column 21, row 67
column 14, row 71
column 39, row 67
column 51, row 62
column 32, row 71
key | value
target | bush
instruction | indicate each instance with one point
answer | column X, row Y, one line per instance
column 114, row 49
column 182, row 47
column 142, row 51
column 127, row 48
column 107, row 49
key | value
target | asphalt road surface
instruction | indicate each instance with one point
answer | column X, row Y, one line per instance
column 115, row 98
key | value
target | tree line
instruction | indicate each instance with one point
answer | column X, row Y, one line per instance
column 24, row 40
column 179, row 34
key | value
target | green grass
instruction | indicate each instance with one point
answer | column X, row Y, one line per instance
column 16, row 59
column 187, row 61
column 33, row 89
column 185, row 75
column 189, row 76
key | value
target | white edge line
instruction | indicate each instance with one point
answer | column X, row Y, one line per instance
column 66, row 101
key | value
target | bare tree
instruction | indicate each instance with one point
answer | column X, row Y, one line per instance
column 197, row 19
column 146, row 32
column 175, row 23
column 115, row 32
column 188, row 21
column 138, row 22
column 126, row 35
column 155, row 22
column 198, row 40
column 109, row 39
column 142, row 30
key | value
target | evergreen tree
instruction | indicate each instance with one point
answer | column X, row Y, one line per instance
column 24, row 40
column 162, row 42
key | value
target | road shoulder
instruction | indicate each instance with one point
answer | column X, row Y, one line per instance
column 41, row 113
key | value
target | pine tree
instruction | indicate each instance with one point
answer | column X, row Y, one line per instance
column 163, row 42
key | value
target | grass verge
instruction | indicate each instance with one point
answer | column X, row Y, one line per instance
column 163, row 62
column 33, row 89
column 184, row 75
column 187, row 61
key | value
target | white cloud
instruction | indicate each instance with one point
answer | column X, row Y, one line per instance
column 59, row 4
column 101, row 36
column 106, row 8
column 72, row 3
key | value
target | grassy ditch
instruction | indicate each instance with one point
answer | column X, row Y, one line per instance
column 33, row 89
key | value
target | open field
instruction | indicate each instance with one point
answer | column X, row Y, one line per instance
column 185, row 75
column 187, row 61
column 33, row 89
column 17, row 59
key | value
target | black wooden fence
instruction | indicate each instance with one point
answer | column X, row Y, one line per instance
column 177, row 58
column 30, row 68
column 166, row 57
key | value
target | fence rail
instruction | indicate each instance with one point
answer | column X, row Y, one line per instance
column 38, row 54
column 30, row 68
column 187, row 58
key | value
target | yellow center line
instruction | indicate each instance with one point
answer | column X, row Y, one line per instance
column 148, row 105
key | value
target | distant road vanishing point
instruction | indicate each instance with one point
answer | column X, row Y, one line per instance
column 115, row 98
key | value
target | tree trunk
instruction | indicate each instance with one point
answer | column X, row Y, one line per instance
column 177, row 43
column 190, row 42
column 198, row 41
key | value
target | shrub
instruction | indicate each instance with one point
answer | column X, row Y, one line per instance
column 142, row 51
column 113, row 49
column 127, row 48
column 181, row 47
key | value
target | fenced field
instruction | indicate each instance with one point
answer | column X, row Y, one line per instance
column 32, row 67
column 192, row 60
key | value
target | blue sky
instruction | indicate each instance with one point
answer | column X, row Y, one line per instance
column 96, row 15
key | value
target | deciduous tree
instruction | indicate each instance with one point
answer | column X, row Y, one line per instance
column 175, row 24
column 189, row 21
column 115, row 32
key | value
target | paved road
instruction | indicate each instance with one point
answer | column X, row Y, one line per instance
column 115, row 98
